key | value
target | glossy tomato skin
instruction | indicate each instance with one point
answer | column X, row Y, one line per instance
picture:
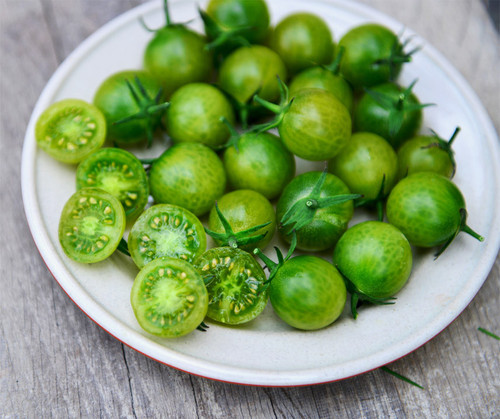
column 321, row 78
column 371, row 116
column 316, row 126
column 363, row 162
column 302, row 40
column 194, row 115
column 307, row 293
column 376, row 257
column 421, row 154
column 177, row 56
column 251, row 69
column 426, row 207
column 235, row 14
column 189, row 175
column 328, row 223
column 116, row 102
column 245, row 209
column 259, row 162
column 365, row 46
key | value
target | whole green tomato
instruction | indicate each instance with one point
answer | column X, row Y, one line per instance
column 244, row 210
column 177, row 55
column 259, row 162
column 373, row 55
column 375, row 260
column 307, row 205
column 390, row 111
column 429, row 209
column 189, row 175
column 427, row 154
column 195, row 113
column 302, row 40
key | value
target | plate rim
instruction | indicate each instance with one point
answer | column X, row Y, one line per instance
column 215, row 370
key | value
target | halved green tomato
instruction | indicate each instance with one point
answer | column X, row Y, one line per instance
column 169, row 298
column 91, row 226
column 234, row 280
column 70, row 130
column 118, row 172
column 165, row 230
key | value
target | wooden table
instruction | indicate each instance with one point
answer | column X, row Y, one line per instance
column 54, row 361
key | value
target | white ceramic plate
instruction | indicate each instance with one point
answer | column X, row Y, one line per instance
column 267, row 351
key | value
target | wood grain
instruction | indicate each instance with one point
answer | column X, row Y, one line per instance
column 55, row 362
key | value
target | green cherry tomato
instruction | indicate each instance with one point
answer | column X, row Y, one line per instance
column 249, row 70
column 177, row 56
column 375, row 259
column 327, row 224
column 123, row 95
column 234, row 281
column 165, row 230
column 316, row 126
column 322, row 78
column 302, row 40
column 259, row 162
column 373, row 55
column 307, row 293
column 189, row 175
column 365, row 163
column 70, row 130
column 427, row 154
column 195, row 113
column 246, row 18
column 389, row 111
column 429, row 209
column 118, row 172
column 245, row 209
column 91, row 226
column 169, row 298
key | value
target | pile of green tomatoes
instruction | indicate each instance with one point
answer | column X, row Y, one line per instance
column 240, row 105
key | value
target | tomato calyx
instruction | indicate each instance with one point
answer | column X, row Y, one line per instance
column 232, row 239
column 202, row 327
column 279, row 109
column 149, row 107
column 397, row 57
column 462, row 227
column 234, row 135
column 168, row 22
column 273, row 266
column 244, row 110
column 334, row 66
column 223, row 39
column 358, row 297
column 123, row 247
column 302, row 212
column 397, row 108
column 377, row 202
column 446, row 147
